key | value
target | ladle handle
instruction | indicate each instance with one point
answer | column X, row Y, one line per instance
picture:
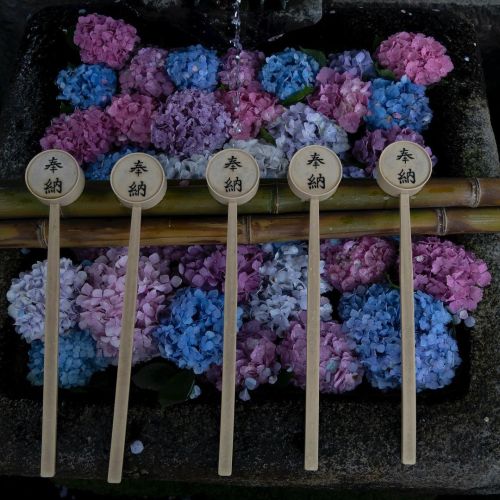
column 126, row 350
column 229, row 353
column 51, row 348
column 313, row 340
column 408, row 377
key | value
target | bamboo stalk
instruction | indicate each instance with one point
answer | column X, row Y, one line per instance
column 273, row 197
column 83, row 233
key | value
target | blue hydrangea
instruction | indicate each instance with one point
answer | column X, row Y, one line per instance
column 190, row 335
column 287, row 72
column 372, row 319
column 401, row 103
column 358, row 63
column 78, row 360
column 193, row 67
column 101, row 169
column 87, row 85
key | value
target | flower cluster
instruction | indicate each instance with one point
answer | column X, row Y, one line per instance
column 190, row 334
column 100, row 170
column 104, row 40
column 357, row 262
column 422, row 58
column 86, row 85
column 300, row 126
column 27, row 299
column 86, row 134
column 288, row 72
column 368, row 148
column 342, row 97
column 193, row 67
column 192, row 167
column 240, row 68
column 357, row 63
column 256, row 360
column 400, row 103
column 146, row 74
column 78, row 360
column 190, row 122
column 450, row 273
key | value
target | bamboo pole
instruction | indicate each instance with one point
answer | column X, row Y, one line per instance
column 251, row 229
column 273, row 197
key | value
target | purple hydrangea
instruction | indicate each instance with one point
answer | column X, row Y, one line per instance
column 357, row 63
column 104, row 40
column 27, row 299
column 190, row 122
column 242, row 73
column 85, row 134
column 146, row 74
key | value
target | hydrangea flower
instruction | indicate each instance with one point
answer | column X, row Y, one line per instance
column 301, row 126
column 105, row 40
column 27, row 299
column 353, row 172
column 133, row 116
column 101, row 301
column 146, row 74
column 85, row 134
column 190, row 334
column 287, row 72
column 368, row 148
column 450, row 273
column 190, row 122
column 272, row 162
column 342, row 97
column 78, row 360
column 256, row 360
column 357, row 63
column 100, row 170
column 86, row 85
column 192, row 167
column 254, row 110
column 244, row 73
column 422, row 58
column 193, row 67
column 339, row 369
column 372, row 319
column 191, row 265
column 400, row 103
column 363, row 261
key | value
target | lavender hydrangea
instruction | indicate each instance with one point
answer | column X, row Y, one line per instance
column 78, row 360
column 242, row 73
column 190, row 333
column 357, row 63
column 301, row 126
column 372, row 320
column 87, row 85
column 287, row 72
column 192, row 167
column 100, row 170
column 193, row 67
column 190, row 122
column 401, row 103
column 27, row 299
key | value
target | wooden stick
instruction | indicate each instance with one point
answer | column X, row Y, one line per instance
column 126, row 350
column 51, row 348
column 230, row 333
column 408, row 381
column 313, row 341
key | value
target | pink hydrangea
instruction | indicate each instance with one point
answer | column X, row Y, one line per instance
column 104, row 40
column 101, row 301
column 351, row 263
column 191, row 265
column 146, row 74
column 86, row 134
column 368, row 148
column 422, row 58
column 339, row 369
column 132, row 115
column 256, row 361
column 249, row 66
column 449, row 273
column 342, row 97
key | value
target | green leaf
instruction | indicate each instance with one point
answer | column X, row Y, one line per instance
column 153, row 376
column 223, row 86
column 65, row 107
column 318, row 55
column 297, row 96
column 385, row 73
column 177, row 388
column 266, row 136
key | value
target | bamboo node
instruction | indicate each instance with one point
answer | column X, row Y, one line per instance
column 476, row 192
column 442, row 221
column 41, row 233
